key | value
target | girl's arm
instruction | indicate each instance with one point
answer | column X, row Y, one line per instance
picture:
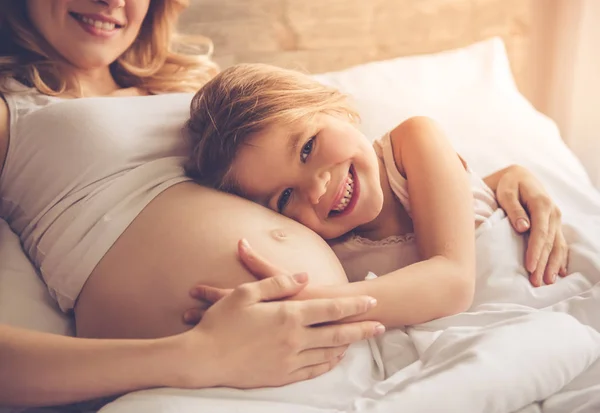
column 442, row 212
column 519, row 193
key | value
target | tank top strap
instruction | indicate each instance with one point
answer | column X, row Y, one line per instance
column 398, row 183
column 23, row 100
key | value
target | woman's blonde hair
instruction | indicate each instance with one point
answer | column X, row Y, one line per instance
column 154, row 62
column 246, row 99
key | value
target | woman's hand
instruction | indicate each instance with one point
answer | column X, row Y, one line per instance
column 530, row 208
column 206, row 297
column 258, row 266
column 261, row 340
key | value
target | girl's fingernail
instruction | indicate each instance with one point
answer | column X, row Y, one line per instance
column 372, row 303
column 300, row 277
column 522, row 224
column 245, row 244
column 379, row 329
column 553, row 277
column 341, row 356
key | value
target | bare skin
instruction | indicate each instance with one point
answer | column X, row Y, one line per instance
column 188, row 235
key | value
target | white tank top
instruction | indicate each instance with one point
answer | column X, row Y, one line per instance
column 360, row 256
column 78, row 171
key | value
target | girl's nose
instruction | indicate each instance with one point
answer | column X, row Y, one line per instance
column 318, row 187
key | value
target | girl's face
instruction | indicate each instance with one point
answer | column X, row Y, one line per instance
column 89, row 34
column 323, row 174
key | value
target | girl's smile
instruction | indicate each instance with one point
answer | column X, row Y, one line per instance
column 347, row 196
column 327, row 174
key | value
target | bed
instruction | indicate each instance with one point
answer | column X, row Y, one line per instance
column 466, row 64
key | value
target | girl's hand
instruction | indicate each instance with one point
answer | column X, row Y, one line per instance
column 258, row 339
column 523, row 198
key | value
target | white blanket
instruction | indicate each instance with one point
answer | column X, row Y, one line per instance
column 518, row 349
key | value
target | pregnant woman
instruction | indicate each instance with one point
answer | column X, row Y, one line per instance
column 94, row 99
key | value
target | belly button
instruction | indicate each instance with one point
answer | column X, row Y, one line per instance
column 279, row 235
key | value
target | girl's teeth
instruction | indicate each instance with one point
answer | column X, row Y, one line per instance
column 347, row 196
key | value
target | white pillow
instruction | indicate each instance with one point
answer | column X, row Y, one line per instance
column 24, row 298
column 472, row 94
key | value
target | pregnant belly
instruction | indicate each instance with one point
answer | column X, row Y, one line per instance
column 188, row 235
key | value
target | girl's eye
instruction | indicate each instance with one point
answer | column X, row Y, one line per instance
column 307, row 149
column 284, row 199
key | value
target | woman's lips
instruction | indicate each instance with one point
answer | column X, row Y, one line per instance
column 97, row 25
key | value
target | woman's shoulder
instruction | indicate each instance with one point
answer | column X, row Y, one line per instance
column 10, row 85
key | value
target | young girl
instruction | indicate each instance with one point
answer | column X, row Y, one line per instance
column 405, row 208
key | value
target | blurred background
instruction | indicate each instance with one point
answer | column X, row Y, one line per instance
column 553, row 45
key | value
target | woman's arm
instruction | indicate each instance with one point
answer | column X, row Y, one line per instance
column 38, row 369
column 246, row 340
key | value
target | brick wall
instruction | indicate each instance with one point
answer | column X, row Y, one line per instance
column 323, row 35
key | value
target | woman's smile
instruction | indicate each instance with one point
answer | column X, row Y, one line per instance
column 97, row 25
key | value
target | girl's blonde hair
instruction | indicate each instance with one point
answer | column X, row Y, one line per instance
column 242, row 101
column 154, row 62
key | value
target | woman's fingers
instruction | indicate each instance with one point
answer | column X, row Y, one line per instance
column 271, row 289
column 257, row 265
column 206, row 297
column 209, row 294
column 344, row 334
column 327, row 310
column 193, row 316
column 316, row 356
column 310, row 372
